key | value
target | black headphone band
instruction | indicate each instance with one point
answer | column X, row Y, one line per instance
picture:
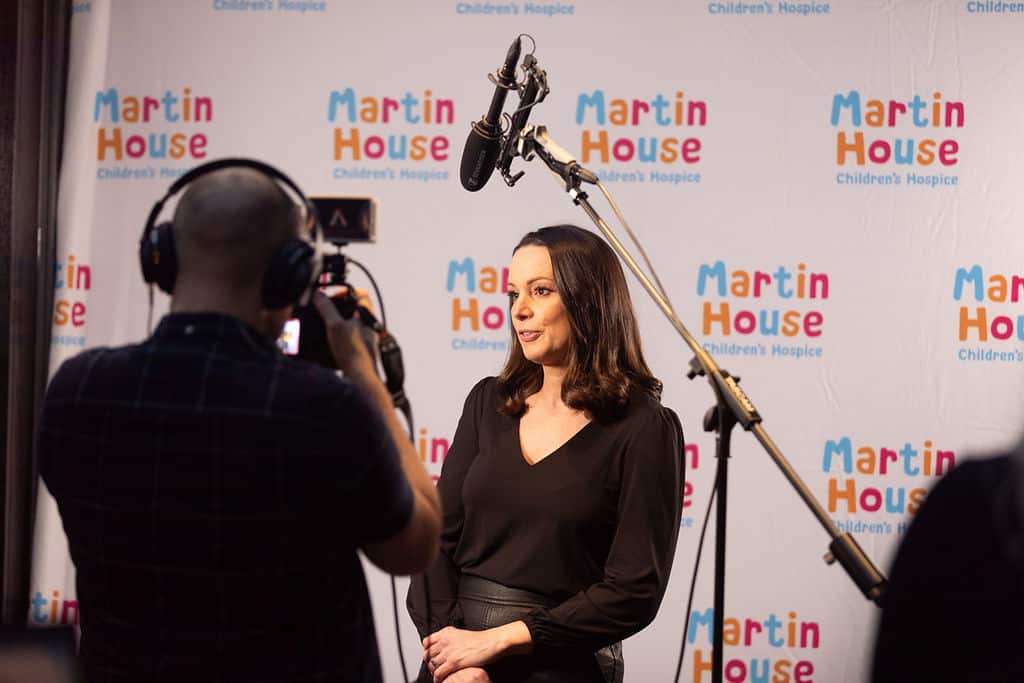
column 228, row 162
column 291, row 271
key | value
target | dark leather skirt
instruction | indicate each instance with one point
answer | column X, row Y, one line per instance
column 486, row 604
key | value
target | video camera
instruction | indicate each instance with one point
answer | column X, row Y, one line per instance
column 344, row 220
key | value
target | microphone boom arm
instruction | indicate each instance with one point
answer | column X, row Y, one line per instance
column 534, row 140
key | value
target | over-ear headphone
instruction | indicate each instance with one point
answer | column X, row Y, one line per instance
column 293, row 268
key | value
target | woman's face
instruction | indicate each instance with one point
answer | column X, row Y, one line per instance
column 538, row 316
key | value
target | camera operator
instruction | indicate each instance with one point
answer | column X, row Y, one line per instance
column 213, row 491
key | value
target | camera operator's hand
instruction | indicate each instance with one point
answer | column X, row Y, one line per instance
column 413, row 548
column 346, row 337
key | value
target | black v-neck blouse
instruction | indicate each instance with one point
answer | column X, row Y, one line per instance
column 593, row 525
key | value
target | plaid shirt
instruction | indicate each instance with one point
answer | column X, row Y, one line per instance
column 214, row 493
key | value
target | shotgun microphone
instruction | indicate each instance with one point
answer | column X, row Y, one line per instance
column 480, row 155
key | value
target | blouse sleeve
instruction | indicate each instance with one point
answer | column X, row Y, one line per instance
column 433, row 596
column 643, row 546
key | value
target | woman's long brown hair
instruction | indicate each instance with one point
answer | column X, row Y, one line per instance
column 605, row 361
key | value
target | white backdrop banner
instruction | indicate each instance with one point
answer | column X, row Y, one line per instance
column 829, row 192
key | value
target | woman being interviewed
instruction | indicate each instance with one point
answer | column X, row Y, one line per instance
column 562, row 489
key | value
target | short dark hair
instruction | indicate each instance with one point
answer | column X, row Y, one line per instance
column 605, row 362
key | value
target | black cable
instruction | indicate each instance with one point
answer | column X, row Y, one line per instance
column 376, row 290
column 149, row 315
column 407, row 411
column 398, row 639
column 693, row 580
column 394, row 587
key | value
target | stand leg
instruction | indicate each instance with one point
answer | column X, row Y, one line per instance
column 723, row 424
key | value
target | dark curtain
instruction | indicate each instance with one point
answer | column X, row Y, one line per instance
column 33, row 73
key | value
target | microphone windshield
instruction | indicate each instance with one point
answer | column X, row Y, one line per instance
column 480, row 155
